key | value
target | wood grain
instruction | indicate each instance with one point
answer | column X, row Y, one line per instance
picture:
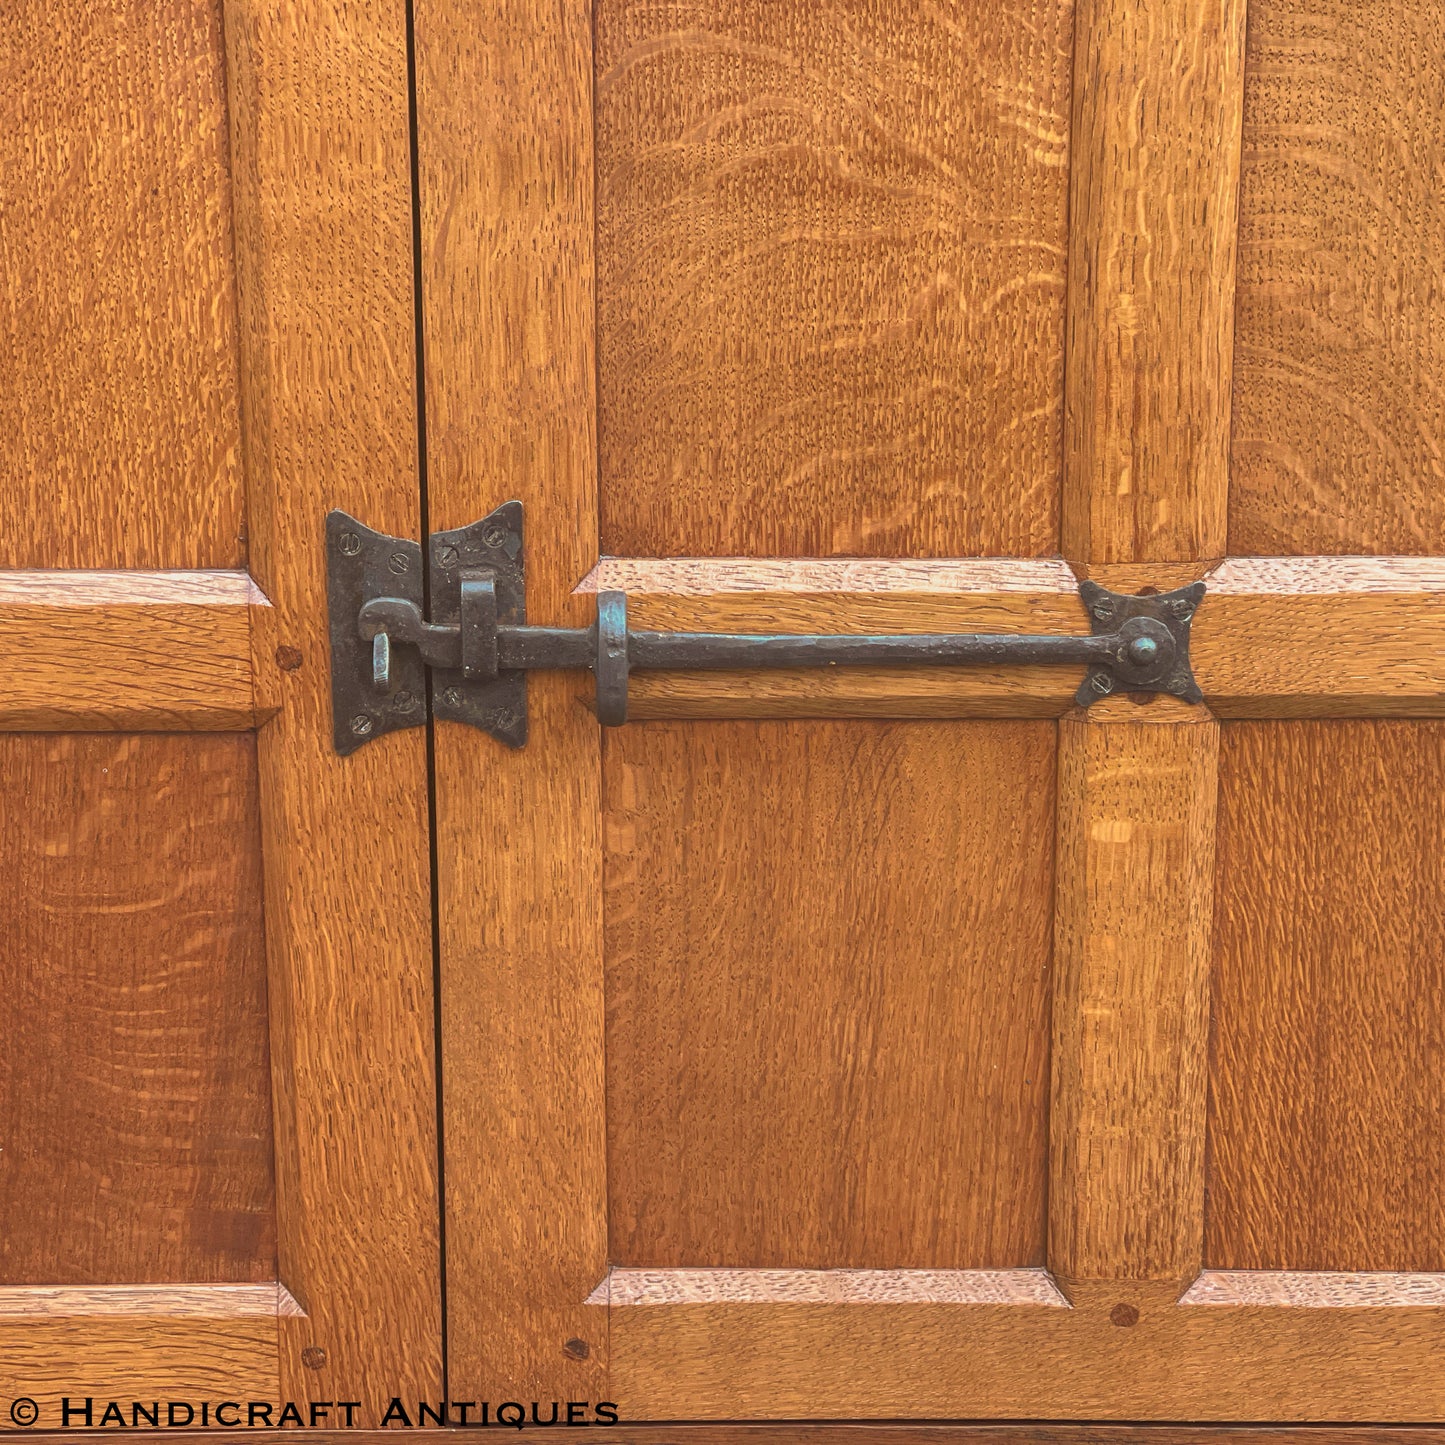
column 827, row 962
column 169, row 1301
column 1302, row 1289
column 127, row 651
column 318, row 98
column 1132, row 947
column 1339, row 405
column 1323, row 637
column 831, row 264
column 504, row 149
column 647, row 1287
column 136, row 1137
column 1157, row 102
column 118, row 413
column 142, row 1358
column 1326, row 1119
column 875, row 1433
column 722, row 1361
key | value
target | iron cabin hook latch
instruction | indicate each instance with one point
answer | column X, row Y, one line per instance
column 393, row 666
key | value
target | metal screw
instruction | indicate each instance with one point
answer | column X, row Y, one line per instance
column 404, row 701
column 1181, row 607
column 398, row 562
column 452, row 697
column 494, row 536
column 506, row 718
column 1103, row 610
column 447, row 557
column 578, row 1349
column 1101, row 682
column 361, row 725
column 1178, row 686
column 313, row 1357
column 350, row 543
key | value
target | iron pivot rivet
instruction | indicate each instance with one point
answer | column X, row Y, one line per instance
column 1142, row 651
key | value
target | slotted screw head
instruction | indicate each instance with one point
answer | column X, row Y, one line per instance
column 361, row 725
column 493, row 535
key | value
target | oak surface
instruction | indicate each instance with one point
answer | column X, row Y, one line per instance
column 119, row 420
column 1132, row 947
column 318, row 100
column 1326, row 1115
column 831, row 246
column 827, row 962
column 504, row 154
column 1157, row 99
column 127, row 651
column 136, row 1137
column 1339, row 399
column 1149, row 1360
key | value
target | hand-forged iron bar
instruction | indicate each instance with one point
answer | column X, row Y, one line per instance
column 563, row 647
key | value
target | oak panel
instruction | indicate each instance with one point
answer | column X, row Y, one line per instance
column 1339, row 408
column 831, row 265
column 119, row 420
column 827, row 956
column 1326, row 1115
column 136, row 1108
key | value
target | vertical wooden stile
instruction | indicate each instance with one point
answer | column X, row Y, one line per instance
column 323, row 223
column 504, row 123
column 1158, row 102
column 1158, row 97
column 1135, row 871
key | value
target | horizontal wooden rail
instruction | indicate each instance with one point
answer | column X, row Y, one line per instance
column 1123, row 1350
column 127, row 651
column 1275, row 637
column 139, row 1342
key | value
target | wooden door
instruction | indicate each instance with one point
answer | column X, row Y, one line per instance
column 860, row 1045
column 218, row 1154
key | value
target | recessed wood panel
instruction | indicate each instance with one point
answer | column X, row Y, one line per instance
column 1327, row 1111
column 831, row 255
column 135, row 1135
column 119, row 420
column 827, row 958
column 1339, row 401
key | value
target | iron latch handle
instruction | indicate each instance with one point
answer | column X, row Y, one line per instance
column 477, row 648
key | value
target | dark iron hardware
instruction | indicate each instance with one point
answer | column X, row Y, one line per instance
column 474, row 652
